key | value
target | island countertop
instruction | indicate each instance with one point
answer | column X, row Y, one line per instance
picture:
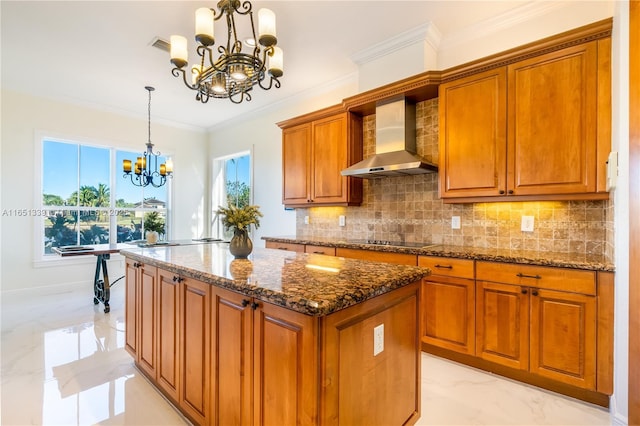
column 312, row 284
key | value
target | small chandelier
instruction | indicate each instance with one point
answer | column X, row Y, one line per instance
column 143, row 175
column 234, row 73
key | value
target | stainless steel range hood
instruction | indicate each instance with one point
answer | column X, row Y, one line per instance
column 395, row 144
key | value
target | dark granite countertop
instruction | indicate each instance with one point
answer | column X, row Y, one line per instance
column 309, row 283
column 541, row 258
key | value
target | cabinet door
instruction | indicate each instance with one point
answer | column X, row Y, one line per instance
column 448, row 313
column 286, row 367
column 231, row 383
column 502, row 324
column 168, row 337
column 195, row 314
column 296, row 164
column 553, row 122
column 329, row 151
column 563, row 337
column 147, row 320
column 473, row 133
column 131, row 307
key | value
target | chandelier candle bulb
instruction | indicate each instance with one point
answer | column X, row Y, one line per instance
column 126, row 166
column 163, row 170
column 276, row 62
column 169, row 166
column 179, row 53
column 204, row 26
column 267, row 27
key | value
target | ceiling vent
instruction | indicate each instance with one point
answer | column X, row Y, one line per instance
column 161, row 44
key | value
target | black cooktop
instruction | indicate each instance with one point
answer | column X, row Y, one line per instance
column 391, row 243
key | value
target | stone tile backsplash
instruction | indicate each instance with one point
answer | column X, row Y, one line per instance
column 408, row 209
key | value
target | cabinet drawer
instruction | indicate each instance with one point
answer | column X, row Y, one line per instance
column 378, row 256
column 285, row 246
column 447, row 266
column 329, row 251
column 571, row 280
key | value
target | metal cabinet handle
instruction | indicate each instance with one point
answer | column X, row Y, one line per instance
column 501, row 192
column 511, row 191
column 523, row 291
column 443, row 266
column 521, row 275
column 177, row 279
column 534, row 292
column 137, row 265
column 246, row 302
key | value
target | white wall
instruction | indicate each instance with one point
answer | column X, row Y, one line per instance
column 23, row 117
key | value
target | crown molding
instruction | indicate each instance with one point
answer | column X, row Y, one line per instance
column 500, row 23
column 426, row 32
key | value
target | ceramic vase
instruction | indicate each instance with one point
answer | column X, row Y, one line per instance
column 240, row 245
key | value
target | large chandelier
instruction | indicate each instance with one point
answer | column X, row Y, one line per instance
column 143, row 173
column 234, row 73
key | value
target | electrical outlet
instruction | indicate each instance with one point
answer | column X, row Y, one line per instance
column 527, row 224
column 455, row 222
column 342, row 221
column 306, row 220
column 378, row 339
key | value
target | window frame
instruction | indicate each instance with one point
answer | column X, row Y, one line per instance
column 218, row 166
column 38, row 222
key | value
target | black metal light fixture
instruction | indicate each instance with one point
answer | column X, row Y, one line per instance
column 143, row 174
column 234, row 73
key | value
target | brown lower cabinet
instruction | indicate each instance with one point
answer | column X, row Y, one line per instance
column 224, row 358
column 529, row 324
column 548, row 326
column 264, row 362
column 448, row 303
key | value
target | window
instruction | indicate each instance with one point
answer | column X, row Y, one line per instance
column 231, row 186
column 86, row 200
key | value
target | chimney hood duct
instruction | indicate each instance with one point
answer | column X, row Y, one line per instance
column 395, row 144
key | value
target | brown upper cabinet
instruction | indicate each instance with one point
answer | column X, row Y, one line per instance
column 530, row 126
column 315, row 148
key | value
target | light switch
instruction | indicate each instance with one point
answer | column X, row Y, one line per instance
column 342, row 221
column 306, row 220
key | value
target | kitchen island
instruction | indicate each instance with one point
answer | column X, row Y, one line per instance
column 281, row 338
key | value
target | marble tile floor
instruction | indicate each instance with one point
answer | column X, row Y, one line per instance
column 63, row 363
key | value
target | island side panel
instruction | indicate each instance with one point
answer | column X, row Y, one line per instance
column 359, row 387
